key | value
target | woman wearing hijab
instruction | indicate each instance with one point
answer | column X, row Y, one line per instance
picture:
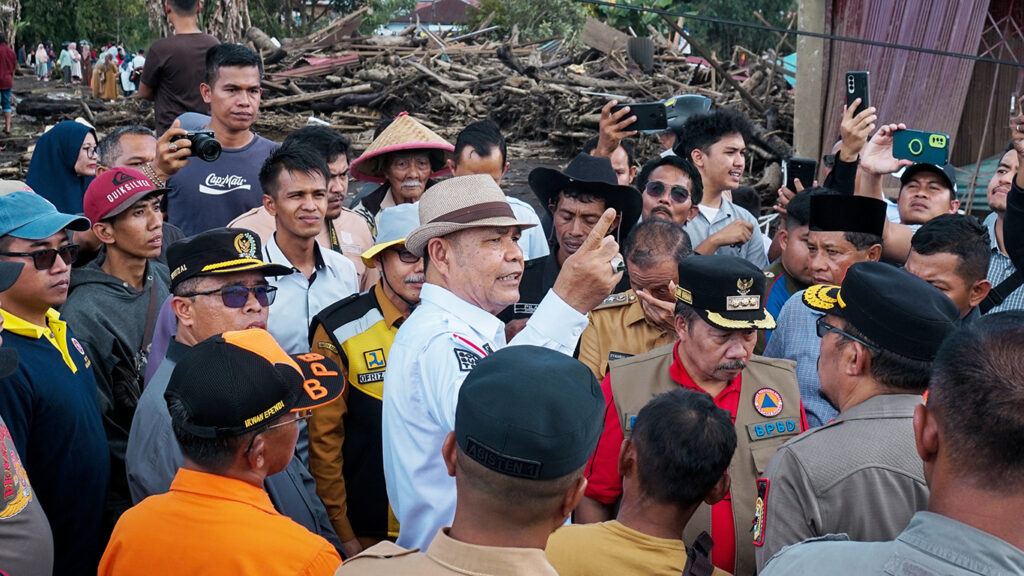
column 41, row 63
column 76, row 63
column 109, row 77
column 63, row 165
column 86, row 63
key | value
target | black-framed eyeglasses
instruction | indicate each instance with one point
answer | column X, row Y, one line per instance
column 237, row 296
column 828, row 160
column 656, row 189
column 824, row 328
column 44, row 259
column 406, row 256
column 299, row 417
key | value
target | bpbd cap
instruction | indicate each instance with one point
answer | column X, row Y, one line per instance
column 728, row 292
column 219, row 251
column 529, row 412
column 237, row 382
column 891, row 307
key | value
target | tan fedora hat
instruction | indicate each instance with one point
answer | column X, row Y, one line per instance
column 404, row 134
column 458, row 204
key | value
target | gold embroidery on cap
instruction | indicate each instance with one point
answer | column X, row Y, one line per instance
column 683, row 295
column 716, row 319
column 822, row 296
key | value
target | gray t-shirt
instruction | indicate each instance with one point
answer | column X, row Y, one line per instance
column 207, row 195
column 26, row 545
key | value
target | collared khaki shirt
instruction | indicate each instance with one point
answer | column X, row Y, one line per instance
column 449, row 556
column 618, row 329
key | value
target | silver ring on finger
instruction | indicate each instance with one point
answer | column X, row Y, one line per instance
column 618, row 265
column 172, row 148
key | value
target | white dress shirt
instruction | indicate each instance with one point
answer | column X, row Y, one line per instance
column 300, row 298
column 533, row 243
column 433, row 352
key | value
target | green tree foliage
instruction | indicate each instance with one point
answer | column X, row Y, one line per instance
column 99, row 21
column 720, row 38
column 723, row 37
column 536, row 19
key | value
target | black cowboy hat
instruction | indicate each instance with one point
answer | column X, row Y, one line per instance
column 592, row 175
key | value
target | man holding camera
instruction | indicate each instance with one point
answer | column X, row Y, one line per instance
column 210, row 191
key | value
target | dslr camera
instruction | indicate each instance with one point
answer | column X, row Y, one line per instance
column 204, row 145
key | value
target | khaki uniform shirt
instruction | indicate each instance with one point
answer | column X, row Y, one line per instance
column 859, row 475
column 614, row 549
column 448, row 556
column 353, row 238
column 618, row 329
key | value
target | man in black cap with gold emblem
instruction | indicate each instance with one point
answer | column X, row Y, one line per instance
column 844, row 230
column 859, row 474
column 575, row 198
column 218, row 284
column 719, row 308
column 527, row 419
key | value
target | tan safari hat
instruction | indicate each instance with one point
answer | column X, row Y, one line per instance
column 458, row 204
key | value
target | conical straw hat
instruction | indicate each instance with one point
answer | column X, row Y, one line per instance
column 404, row 133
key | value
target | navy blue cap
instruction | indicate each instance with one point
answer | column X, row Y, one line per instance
column 529, row 412
column 891, row 307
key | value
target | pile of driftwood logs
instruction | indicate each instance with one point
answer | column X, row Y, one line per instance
column 536, row 91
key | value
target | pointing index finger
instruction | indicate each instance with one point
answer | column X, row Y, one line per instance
column 600, row 230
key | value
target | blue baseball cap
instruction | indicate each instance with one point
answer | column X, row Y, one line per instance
column 30, row 216
column 393, row 226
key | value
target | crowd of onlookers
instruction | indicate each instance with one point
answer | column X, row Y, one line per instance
column 108, row 71
column 217, row 358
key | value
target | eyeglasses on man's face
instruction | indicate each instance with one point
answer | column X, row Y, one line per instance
column 44, row 259
column 237, row 296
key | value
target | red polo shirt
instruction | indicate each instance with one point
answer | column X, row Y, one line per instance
column 605, row 485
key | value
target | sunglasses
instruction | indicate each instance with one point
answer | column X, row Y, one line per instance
column 299, row 417
column 406, row 256
column 657, row 190
column 824, row 328
column 44, row 259
column 237, row 296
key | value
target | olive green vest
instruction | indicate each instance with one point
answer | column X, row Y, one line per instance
column 635, row 381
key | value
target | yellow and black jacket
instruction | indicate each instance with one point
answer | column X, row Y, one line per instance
column 345, row 447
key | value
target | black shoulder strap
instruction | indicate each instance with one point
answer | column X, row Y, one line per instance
column 698, row 557
column 999, row 293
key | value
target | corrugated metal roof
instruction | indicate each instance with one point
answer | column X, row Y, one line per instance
column 924, row 91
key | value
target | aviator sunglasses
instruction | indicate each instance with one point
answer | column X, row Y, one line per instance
column 657, row 190
column 237, row 296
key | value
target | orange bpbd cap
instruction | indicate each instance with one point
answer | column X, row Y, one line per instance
column 237, row 382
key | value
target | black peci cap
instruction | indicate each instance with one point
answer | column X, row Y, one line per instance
column 728, row 292
column 529, row 412
column 241, row 381
column 894, row 309
column 842, row 213
column 218, row 251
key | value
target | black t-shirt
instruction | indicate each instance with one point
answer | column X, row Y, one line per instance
column 175, row 67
